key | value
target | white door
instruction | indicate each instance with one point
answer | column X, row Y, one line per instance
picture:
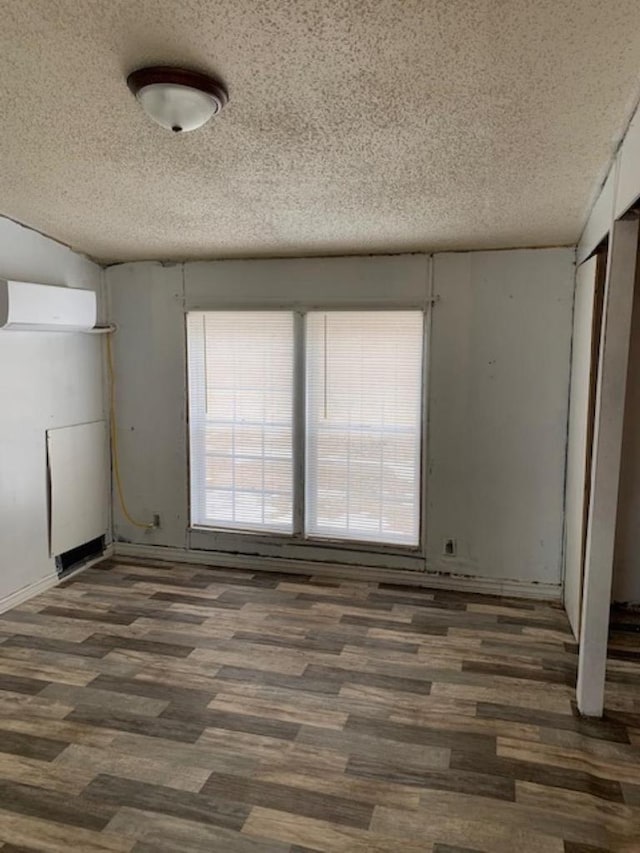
column 578, row 450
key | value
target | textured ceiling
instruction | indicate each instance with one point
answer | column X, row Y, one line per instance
column 353, row 126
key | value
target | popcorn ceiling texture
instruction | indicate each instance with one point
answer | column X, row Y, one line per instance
column 354, row 125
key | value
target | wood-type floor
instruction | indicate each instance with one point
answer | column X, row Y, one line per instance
column 155, row 708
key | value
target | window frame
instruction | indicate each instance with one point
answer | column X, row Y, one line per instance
column 297, row 544
column 201, row 476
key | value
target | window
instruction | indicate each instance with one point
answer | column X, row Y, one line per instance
column 241, row 419
column 363, row 443
column 360, row 376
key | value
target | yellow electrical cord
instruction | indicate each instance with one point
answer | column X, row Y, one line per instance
column 114, row 441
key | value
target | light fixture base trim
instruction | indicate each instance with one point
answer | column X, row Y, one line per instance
column 158, row 89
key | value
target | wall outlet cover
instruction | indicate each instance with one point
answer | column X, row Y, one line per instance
column 450, row 548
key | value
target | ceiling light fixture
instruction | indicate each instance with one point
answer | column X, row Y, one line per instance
column 177, row 99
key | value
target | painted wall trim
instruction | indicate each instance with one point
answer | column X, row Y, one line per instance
column 605, row 475
column 47, row 582
column 456, row 583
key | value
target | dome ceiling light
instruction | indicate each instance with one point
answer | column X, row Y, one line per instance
column 177, row 99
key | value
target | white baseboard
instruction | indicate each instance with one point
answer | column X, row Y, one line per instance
column 37, row 587
column 434, row 580
column 26, row 592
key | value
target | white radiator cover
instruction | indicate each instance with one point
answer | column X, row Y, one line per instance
column 42, row 307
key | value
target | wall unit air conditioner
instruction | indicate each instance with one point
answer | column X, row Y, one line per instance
column 44, row 308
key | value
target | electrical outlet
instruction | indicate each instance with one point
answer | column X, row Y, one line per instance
column 450, row 548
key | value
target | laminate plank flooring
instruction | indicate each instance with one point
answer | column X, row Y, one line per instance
column 149, row 708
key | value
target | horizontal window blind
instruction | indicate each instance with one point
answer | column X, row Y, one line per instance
column 363, row 425
column 241, row 419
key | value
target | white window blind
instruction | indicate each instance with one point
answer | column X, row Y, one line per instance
column 241, row 411
column 363, row 398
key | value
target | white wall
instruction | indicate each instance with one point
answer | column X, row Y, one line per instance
column 46, row 380
column 498, row 412
column 150, row 370
column 498, row 390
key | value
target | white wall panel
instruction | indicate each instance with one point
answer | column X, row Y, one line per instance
column 499, row 382
column 150, row 366
column 329, row 282
column 78, row 463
